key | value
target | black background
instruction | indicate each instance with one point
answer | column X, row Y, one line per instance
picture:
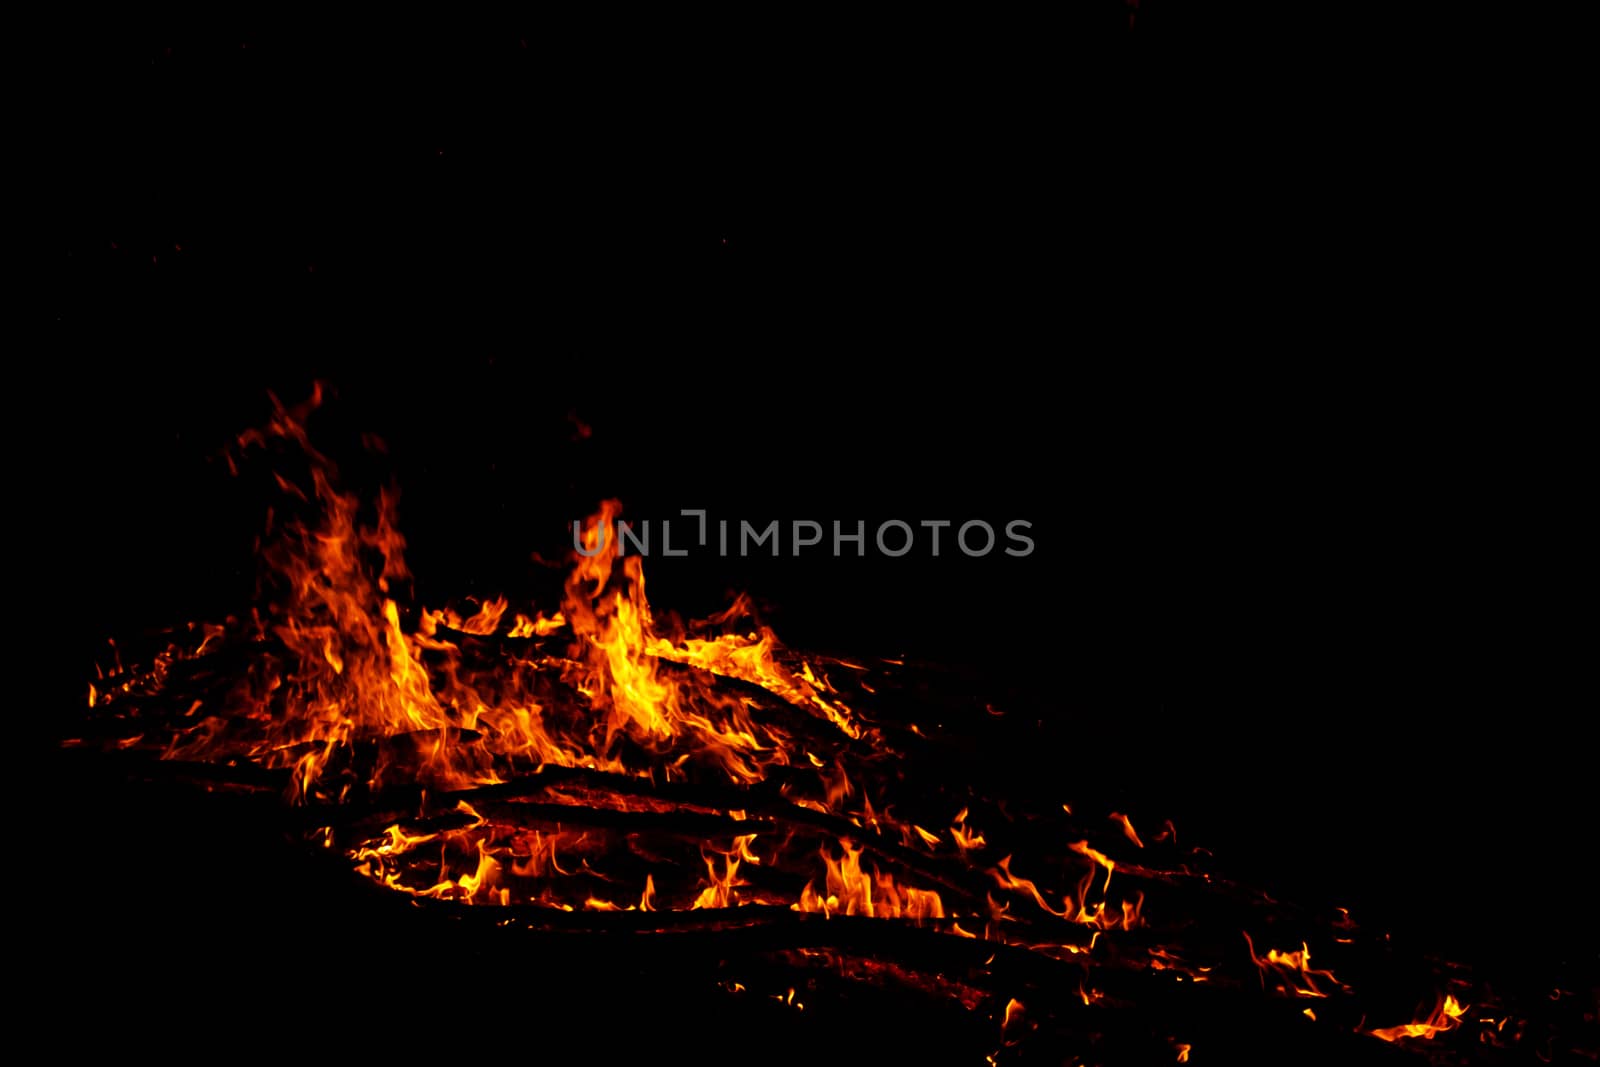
column 1304, row 498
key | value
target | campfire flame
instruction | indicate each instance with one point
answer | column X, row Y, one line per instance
column 597, row 759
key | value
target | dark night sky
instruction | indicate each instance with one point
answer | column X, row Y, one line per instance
column 1283, row 521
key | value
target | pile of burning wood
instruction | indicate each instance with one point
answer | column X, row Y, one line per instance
column 808, row 824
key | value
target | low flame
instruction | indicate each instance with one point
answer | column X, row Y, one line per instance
column 719, row 891
column 966, row 838
column 1290, row 972
column 1445, row 1016
column 850, row 890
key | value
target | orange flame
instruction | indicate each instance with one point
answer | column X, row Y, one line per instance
column 1127, row 829
column 719, row 893
column 966, row 839
column 1445, row 1016
column 850, row 890
column 350, row 672
column 1291, row 971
